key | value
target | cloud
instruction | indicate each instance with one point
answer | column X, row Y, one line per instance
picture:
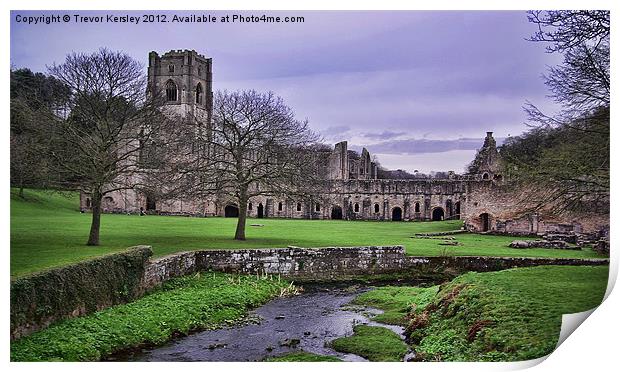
column 385, row 135
column 454, row 160
column 423, row 146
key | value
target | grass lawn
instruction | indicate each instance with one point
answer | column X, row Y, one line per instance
column 47, row 230
column 507, row 315
column 184, row 304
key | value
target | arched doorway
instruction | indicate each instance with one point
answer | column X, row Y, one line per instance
column 457, row 210
column 397, row 214
column 150, row 203
column 260, row 211
column 485, row 222
column 438, row 214
column 231, row 211
column 336, row 213
column 449, row 212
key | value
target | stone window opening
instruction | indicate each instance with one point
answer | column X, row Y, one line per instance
column 485, row 176
column 199, row 93
column 170, row 68
column 171, row 91
column 199, row 71
column 417, row 207
column 356, row 208
column 87, row 202
column 376, row 208
column 250, row 206
column 280, row 207
column 298, row 207
column 317, row 207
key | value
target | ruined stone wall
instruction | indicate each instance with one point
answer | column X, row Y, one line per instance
column 508, row 211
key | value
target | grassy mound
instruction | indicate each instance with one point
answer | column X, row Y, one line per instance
column 508, row 315
column 376, row 344
column 302, row 356
column 183, row 305
column 396, row 302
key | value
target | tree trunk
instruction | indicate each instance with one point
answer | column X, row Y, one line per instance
column 93, row 237
column 243, row 210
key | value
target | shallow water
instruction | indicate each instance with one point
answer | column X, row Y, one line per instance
column 304, row 322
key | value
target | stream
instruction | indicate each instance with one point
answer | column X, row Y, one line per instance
column 307, row 322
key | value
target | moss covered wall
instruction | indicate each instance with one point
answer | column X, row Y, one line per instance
column 46, row 297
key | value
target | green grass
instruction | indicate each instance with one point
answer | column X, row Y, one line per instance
column 506, row 315
column 302, row 356
column 47, row 230
column 184, row 304
column 376, row 344
column 396, row 302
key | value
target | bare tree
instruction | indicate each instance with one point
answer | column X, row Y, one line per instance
column 97, row 147
column 581, row 84
column 255, row 146
column 564, row 159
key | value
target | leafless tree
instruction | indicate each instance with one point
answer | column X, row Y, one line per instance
column 564, row 159
column 255, row 146
column 98, row 146
column 581, row 83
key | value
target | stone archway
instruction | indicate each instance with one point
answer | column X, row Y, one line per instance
column 397, row 214
column 336, row 213
column 231, row 211
column 260, row 211
column 438, row 214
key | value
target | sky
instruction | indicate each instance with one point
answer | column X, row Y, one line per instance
column 418, row 89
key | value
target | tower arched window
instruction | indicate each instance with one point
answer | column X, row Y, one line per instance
column 298, row 207
column 170, row 68
column 376, row 208
column 417, row 207
column 199, row 93
column 356, row 208
column 280, row 207
column 171, row 91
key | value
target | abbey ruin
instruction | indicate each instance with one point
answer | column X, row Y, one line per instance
column 352, row 188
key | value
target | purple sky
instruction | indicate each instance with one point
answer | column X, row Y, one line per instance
column 419, row 89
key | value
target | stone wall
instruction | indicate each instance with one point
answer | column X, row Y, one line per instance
column 336, row 263
column 88, row 286
column 306, row 263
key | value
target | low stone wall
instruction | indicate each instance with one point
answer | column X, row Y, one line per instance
column 336, row 263
column 306, row 263
column 452, row 266
column 88, row 286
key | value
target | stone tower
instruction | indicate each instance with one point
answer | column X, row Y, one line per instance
column 487, row 161
column 184, row 79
